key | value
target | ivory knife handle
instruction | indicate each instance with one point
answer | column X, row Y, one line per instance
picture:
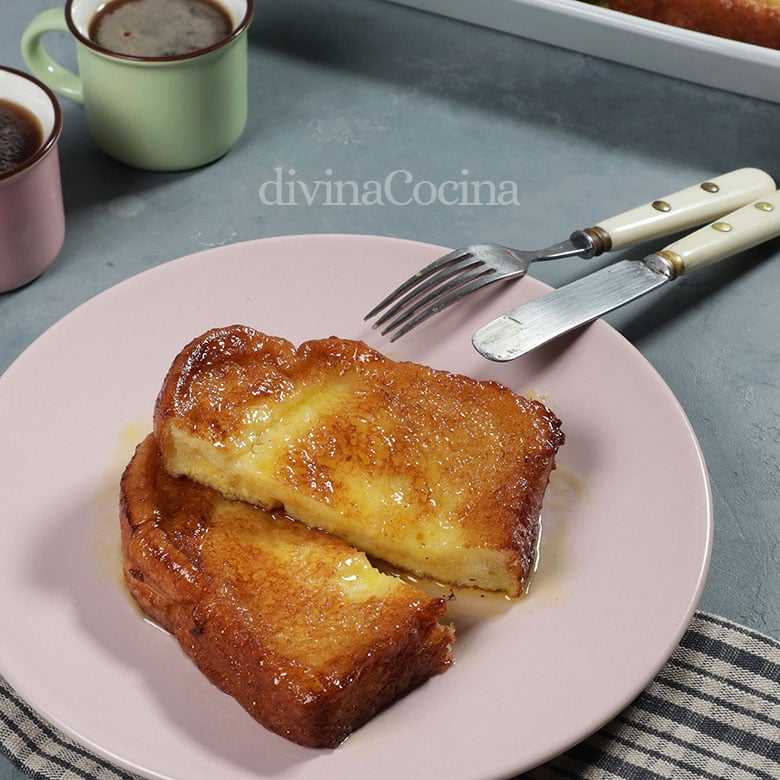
column 733, row 233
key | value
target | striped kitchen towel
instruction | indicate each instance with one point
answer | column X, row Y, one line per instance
column 713, row 711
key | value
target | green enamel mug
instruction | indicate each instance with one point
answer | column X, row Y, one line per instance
column 154, row 113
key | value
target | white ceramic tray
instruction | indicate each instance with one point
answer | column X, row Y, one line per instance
column 573, row 24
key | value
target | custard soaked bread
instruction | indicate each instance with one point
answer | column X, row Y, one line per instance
column 292, row 622
column 435, row 473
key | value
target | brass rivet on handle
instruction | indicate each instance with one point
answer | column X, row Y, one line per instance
column 762, row 205
column 723, row 227
column 710, row 186
column 661, row 205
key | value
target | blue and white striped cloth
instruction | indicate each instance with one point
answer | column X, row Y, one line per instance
column 713, row 711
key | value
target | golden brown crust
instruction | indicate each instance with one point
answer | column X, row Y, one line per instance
column 410, row 452
column 303, row 652
column 750, row 21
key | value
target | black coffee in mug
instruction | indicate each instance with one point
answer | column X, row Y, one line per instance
column 159, row 28
column 21, row 135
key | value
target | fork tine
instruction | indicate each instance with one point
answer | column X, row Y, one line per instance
column 445, row 302
column 441, row 297
column 431, row 286
column 419, row 276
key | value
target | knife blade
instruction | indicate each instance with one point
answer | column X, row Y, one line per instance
column 563, row 310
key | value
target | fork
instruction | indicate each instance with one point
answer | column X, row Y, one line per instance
column 463, row 271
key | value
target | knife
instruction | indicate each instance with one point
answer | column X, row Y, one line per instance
column 558, row 312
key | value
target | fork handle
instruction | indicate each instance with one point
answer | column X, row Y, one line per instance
column 681, row 210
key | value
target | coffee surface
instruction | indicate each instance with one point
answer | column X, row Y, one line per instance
column 21, row 135
column 159, row 28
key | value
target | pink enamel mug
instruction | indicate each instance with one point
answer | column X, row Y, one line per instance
column 32, row 218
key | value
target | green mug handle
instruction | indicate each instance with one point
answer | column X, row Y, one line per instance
column 41, row 64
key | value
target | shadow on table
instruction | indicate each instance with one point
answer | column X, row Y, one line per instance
column 682, row 296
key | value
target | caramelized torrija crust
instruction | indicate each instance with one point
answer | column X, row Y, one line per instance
column 435, row 473
column 294, row 623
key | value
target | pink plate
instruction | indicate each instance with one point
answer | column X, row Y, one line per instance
column 626, row 538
